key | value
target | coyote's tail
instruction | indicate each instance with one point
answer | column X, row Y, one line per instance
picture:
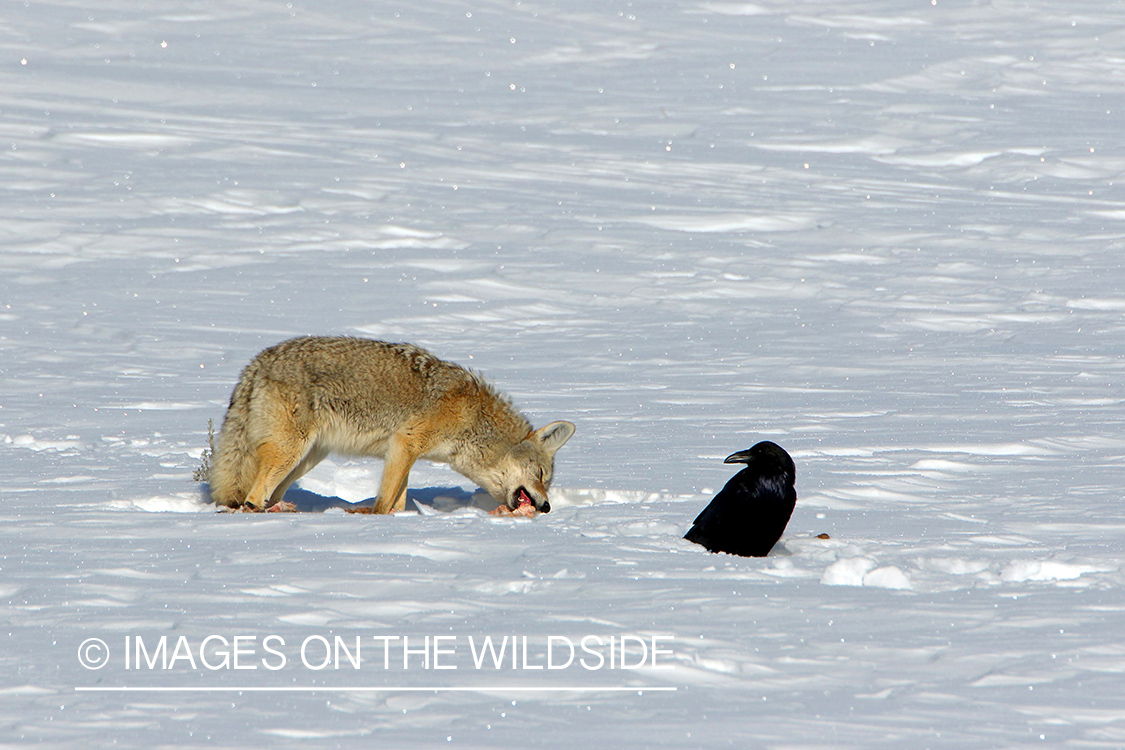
column 236, row 461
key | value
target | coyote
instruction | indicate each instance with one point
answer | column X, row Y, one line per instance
column 302, row 399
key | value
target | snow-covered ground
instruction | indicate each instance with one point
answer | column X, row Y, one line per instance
column 888, row 236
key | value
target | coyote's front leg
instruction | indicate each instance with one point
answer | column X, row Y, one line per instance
column 401, row 456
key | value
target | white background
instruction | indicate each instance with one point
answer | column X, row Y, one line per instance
column 886, row 235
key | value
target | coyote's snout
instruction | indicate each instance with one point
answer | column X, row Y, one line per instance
column 302, row 399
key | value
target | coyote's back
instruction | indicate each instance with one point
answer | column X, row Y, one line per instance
column 302, row 399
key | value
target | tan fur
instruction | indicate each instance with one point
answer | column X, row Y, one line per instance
column 302, row 399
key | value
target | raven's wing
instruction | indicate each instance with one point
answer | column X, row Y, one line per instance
column 726, row 499
column 748, row 515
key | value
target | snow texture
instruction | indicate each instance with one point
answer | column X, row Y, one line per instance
column 888, row 236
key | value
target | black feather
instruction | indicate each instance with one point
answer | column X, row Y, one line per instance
column 750, row 513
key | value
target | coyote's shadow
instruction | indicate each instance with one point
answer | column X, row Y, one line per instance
column 425, row 500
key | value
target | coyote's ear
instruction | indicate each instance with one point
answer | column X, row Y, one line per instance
column 554, row 436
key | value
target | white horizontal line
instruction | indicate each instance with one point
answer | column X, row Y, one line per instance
column 389, row 689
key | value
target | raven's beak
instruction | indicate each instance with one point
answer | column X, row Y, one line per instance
column 742, row 457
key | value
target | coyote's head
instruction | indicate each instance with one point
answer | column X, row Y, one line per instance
column 522, row 474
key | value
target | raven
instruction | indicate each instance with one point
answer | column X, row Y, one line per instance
column 748, row 515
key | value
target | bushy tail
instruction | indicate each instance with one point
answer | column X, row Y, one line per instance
column 235, row 464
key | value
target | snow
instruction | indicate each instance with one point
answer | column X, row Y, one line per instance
column 886, row 236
